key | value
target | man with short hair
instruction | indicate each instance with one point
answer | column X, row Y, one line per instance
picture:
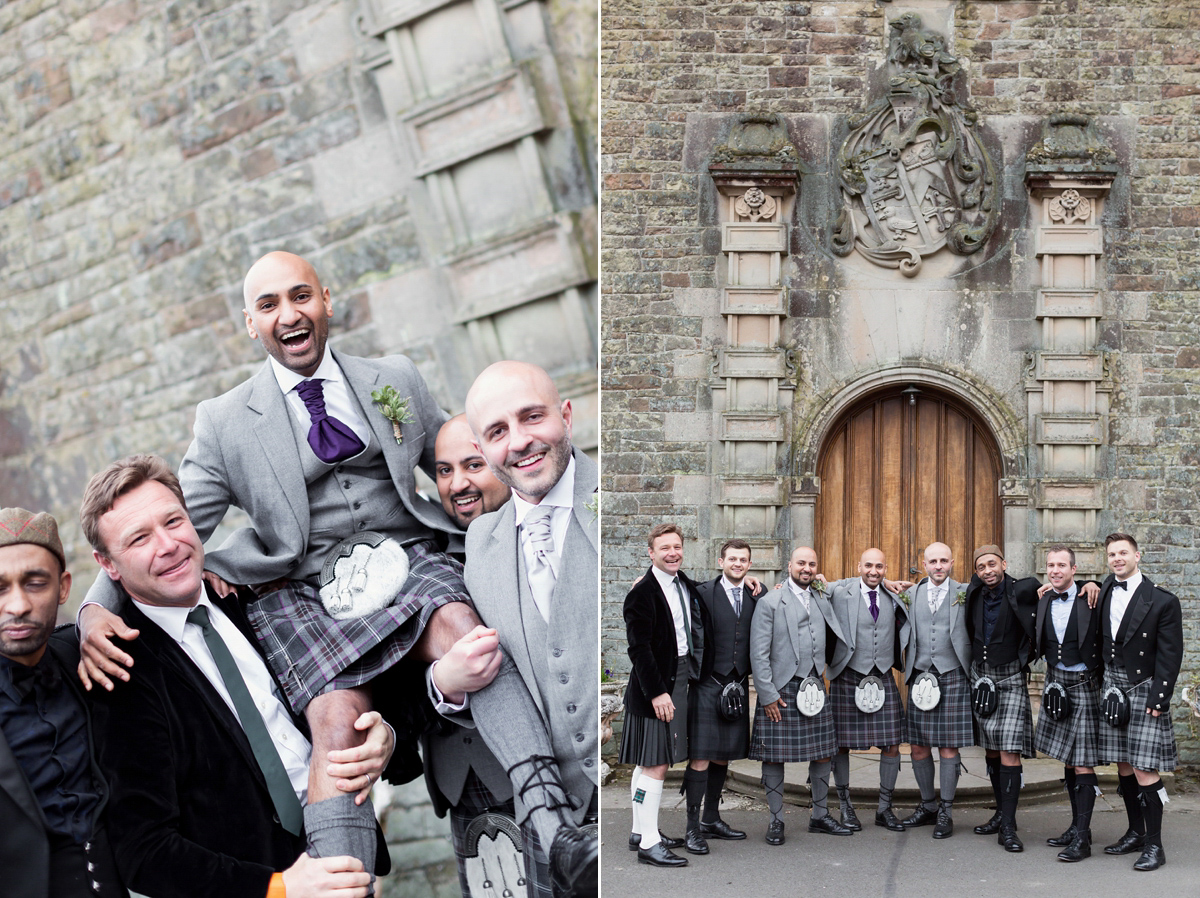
column 1001, row 616
column 866, row 703
column 665, row 631
column 209, row 769
column 938, row 658
column 1142, row 650
column 53, row 843
column 533, row 571
column 793, row 635
column 1067, row 635
column 714, row 739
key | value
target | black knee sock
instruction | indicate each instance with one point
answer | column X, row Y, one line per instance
column 1152, row 812
column 1069, row 782
column 1084, row 801
column 993, row 772
column 1009, row 779
column 1128, row 787
column 693, row 790
column 712, row 793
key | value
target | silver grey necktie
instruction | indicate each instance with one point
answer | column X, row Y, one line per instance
column 935, row 598
column 541, row 557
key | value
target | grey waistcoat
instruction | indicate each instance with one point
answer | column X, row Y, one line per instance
column 874, row 643
column 812, row 640
column 934, row 648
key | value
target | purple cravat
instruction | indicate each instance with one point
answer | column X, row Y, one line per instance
column 874, row 605
column 331, row 440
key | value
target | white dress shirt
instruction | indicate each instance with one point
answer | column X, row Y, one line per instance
column 804, row 594
column 338, row 403
column 936, row 593
column 294, row 749
column 562, row 499
column 1060, row 615
column 679, row 615
column 1119, row 601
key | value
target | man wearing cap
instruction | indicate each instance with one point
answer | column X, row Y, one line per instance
column 1001, row 616
column 1142, row 649
column 53, row 842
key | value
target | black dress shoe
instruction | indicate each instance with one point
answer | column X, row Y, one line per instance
column 1080, row 848
column 850, row 820
column 830, row 826
column 922, row 816
column 575, row 863
column 720, row 830
column 889, row 819
column 944, row 828
column 1008, row 838
column 1127, row 844
column 1152, row 858
column 659, row 855
column 1065, row 839
column 775, row 832
column 635, row 841
column 694, row 842
column 990, row 828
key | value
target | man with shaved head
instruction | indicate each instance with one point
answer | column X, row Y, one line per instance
column 936, row 665
column 313, row 456
column 866, row 702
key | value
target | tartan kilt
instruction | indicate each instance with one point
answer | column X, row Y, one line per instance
column 1076, row 740
column 950, row 724
column 476, row 799
column 311, row 653
column 1010, row 727
column 710, row 736
column 1148, row 742
column 795, row 738
column 648, row 741
column 858, row 731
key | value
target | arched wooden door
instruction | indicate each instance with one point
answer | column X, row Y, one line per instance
column 899, row 470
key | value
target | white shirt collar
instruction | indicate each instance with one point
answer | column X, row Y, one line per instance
column 172, row 618
column 561, row 495
column 288, row 379
column 664, row 580
column 727, row 585
column 796, row 588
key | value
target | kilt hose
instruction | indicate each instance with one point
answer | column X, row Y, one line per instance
column 476, row 799
column 950, row 724
column 1010, row 726
column 710, row 736
column 1075, row 740
column 1147, row 742
column 794, row 738
column 859, row 731
column 312, row 653
column 648, row 741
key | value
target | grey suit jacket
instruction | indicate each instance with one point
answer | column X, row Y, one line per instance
column 492, row 579
column 775, row 640
column 959, row 639
column 243, row 454
column 847, row 604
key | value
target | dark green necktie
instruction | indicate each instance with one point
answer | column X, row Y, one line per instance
column 685, row 610
column 287, row 806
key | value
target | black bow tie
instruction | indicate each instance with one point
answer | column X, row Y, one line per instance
column 1121, row 584
column 42, row 676
column 1062, row 595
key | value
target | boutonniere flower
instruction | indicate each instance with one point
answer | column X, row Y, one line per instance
column 960, row 597
column 904, row 597
column 818, row 585
column 394, row 408
column 594, row 505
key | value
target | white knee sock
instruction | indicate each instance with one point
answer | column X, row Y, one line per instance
column 648, row 815
column 633, row 790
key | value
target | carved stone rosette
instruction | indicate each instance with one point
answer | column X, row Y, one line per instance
column 913, row 173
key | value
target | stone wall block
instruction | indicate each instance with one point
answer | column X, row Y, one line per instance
column 166, row 242
column 196, row 137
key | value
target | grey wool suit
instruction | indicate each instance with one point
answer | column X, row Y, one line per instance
column 775, row 640
column 960, row 642
column 847, row 604
column 558, row 661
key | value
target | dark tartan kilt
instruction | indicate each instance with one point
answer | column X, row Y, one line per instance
column 1010, row 727
column 710, row 736
column 311, row 653
column 649, row 741
column 796, row 737
column 950, row 724
column 860, row 731
column 1148, row 742
column 477, row 799
column 1076, row 740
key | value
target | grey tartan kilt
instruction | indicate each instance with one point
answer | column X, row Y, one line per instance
column 1148, row 742
column 950, row 724
column 312, row 653
column 710, row 736
column 1010, row 727
column 860, row 731
column 1076, row 740
column 649, row 741
column 796, row 737
column 476, row 799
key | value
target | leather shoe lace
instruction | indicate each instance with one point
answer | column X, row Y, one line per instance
column 694, row 842
column 990, row 828
column 1152, row 858
column 944, row 828
column 922, row 816
column 1008, row 838
column 1127, row 844
column 1065, row 839
column 887, row 818
column 575, row 863
column 660, row 856
column 775, row 832
column 635, row 841
column 1080, row 848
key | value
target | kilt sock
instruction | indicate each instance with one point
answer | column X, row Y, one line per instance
column 923, row 771
column 1152, row 812
column 693, row 790
column 1083, row 801
column 840, row 765
column 633, row 790
column 948, row 769
column 889, row 769
column 1070, row 782
column 338, row 826
column 818, row 775
column 1009, row 779
column 712, row 792
column 1129, row 789
column 647, row 816
column 772, row 780
column 993, row 771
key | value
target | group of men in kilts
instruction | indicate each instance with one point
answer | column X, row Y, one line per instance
column 1113, row 651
